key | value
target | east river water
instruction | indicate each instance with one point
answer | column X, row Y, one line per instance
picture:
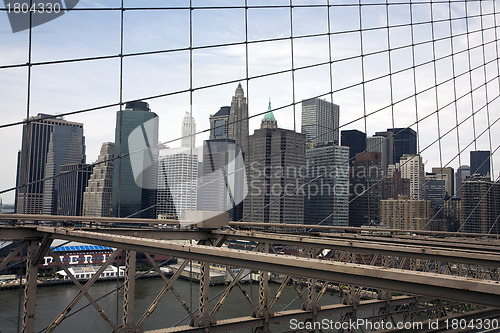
column 52, row 300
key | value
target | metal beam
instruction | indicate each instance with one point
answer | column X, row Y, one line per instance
column 82, row 291
column 90, row 219
column 11, row 233
column 168, row 286
column 30, row 288
column 413, row 282
column 236, row 324
column 80, row 287
column 129, row 289
column 172, row 234
column 460, row 243
column 11, row 255
column 356, row 229
column 443, row 253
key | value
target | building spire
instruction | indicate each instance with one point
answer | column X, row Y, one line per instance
column 269, row 121
column 239, row 91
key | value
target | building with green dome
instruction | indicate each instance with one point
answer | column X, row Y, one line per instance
column 273, row 162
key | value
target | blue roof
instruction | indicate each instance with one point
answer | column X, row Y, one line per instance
column 81, row 248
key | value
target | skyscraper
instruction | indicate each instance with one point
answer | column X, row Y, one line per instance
column 480, row 205
column 480, row 162
column 404, row 213
column 66, row 147
column 97, row 196
column 219, row 128
column 365, row 189
column 72, row 184
column 327, row 185
column 177, row 182
column 399, row 141
column 412, row 168
column 435, row 190
column 221, row 187
column 378, row 143
column 273, row 161
column 238, row 119
column 448, row 175
column 34, row 164
column 188, row 131
column 135, row 170
column 355, row 140
column 463, row 172
column 320, row 121
column 393, row 186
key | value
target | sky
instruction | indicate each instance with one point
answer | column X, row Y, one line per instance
column 378, row 104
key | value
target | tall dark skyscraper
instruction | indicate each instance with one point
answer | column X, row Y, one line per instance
column 435, row 190
column 66, row 147
column 355, row 140
column 219, row 123
column 399, row 141
column 320, row 121
column 480, row 205
column 275, row 157
column 365, row 189
column 73, row 180
column 135, row 176
column 480, row 162
column 327, row 187
column 47, row 143
column 238, row 119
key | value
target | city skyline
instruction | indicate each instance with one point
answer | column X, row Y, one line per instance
column 66, row 87
column 367, row 148
column 363, row 198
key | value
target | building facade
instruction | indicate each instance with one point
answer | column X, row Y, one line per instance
column 448, row 175
column 480, row 205
column 274, row 159
column 177, row 182
column 394, row 185
column 480, row 162
column 327, row 185
column 221, row 187
column 378, row 143
column 320, row 121
column 405, row 213
column 365, row 189
column 135, row 173
column 67, row 145
column 97, row 196
column 412, row 168
column 219, row 128
column 355, row 140
column 452, row 208
column 72, row 184
column 463, row 172
column 399, row 141
column 435, row 191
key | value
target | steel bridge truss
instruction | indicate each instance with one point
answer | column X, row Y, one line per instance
column 396, row 276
